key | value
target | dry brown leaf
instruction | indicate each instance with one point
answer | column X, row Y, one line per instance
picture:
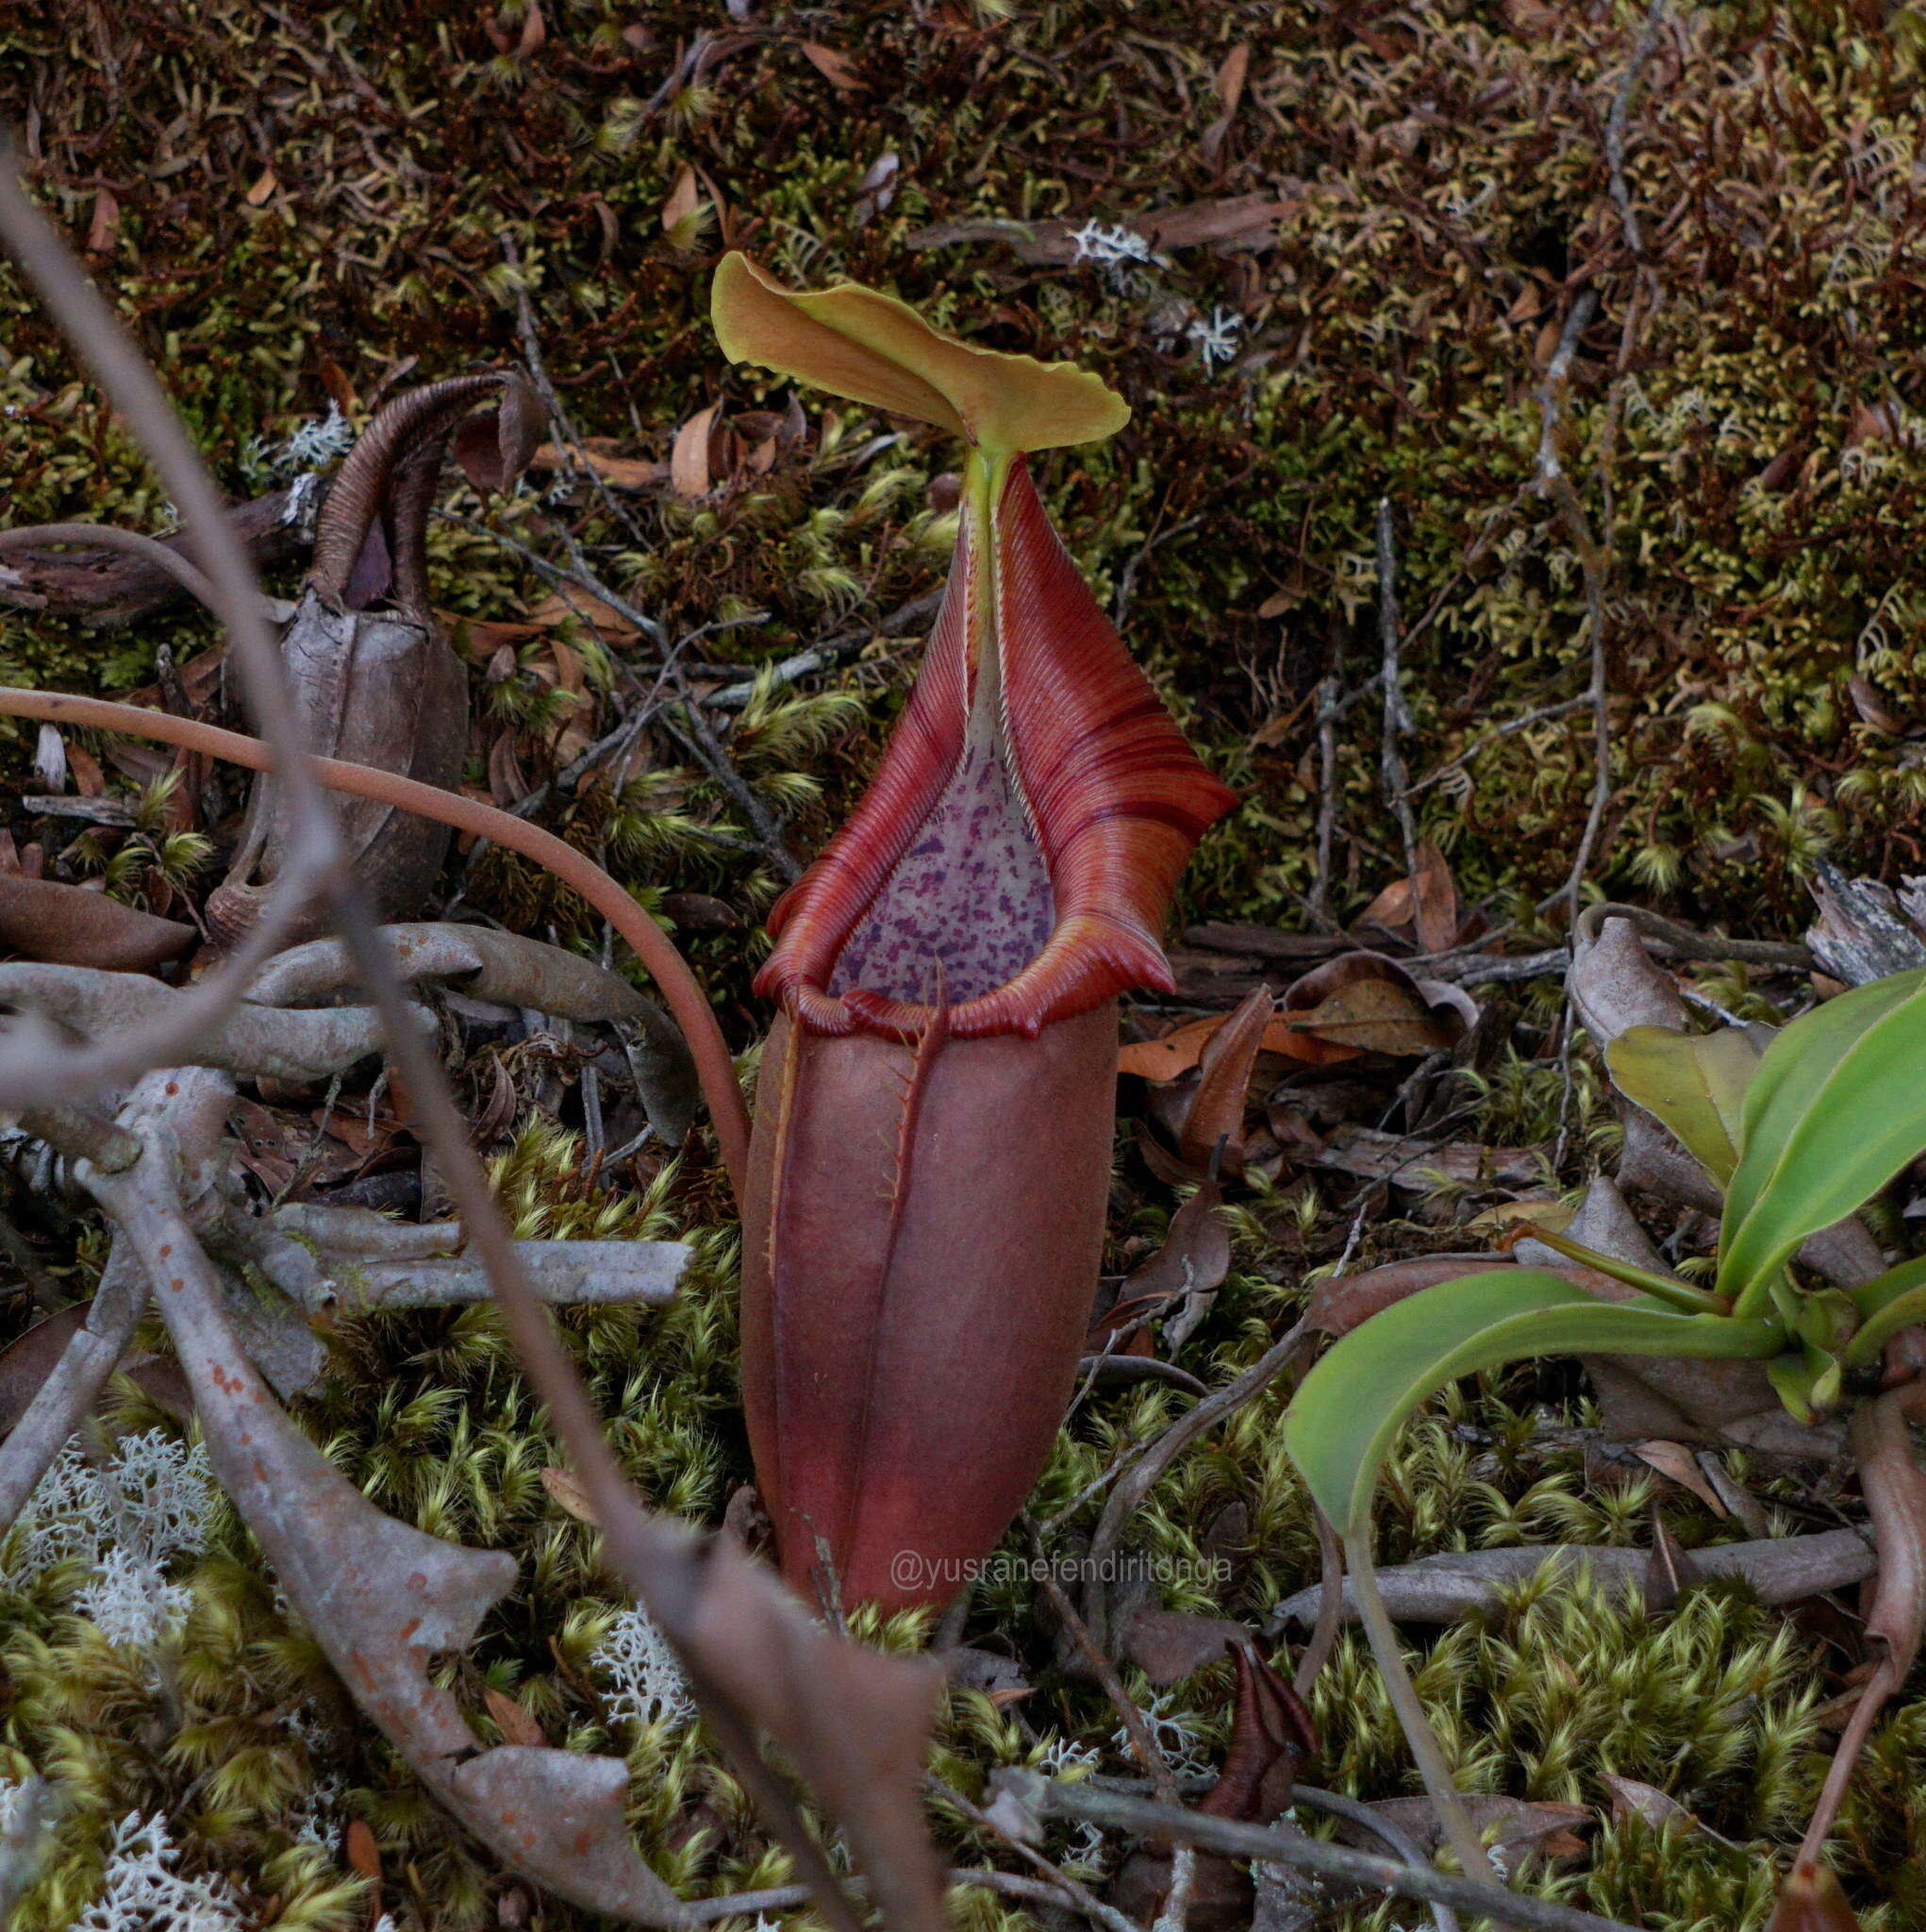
column 1229, row 80
column 1632, row 1798
column 1215, row 1115
column 837, row 69
column 1525, row 1829
column 681, row 200
column 1193, row 1261
column 604, row 619
column 1169, row 1645
column 688, row 461
column 1677, row 1463
column 618, row 472
column 103, row 230
column 516, row 1725
column 564, row 1489
column 364, row 1855
column 1177, row 1052
column 264, row 186
column 1370, row 1004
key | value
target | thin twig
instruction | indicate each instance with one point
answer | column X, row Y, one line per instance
column 1483, row 743
column 1128, row 1495
column 1615, row 127
column 732, row 697
column 1594, row 563
column 1397, row 720
column 1143, row 1744
column 1281, row 1845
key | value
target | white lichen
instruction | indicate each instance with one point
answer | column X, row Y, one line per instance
column 124, row 1524
column 142, row 1892
column 1216, row 340
column 647, row 1686
column 1174, row 1733
column 1119, row 252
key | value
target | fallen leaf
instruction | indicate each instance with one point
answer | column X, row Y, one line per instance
column 1229, row 80
column 688, row 461
column 1873, row 707
column 618, row 472
column 680, row 206
column 1214, row 1126
column 837, row 69
column 564, row 1489
column 1177, row 1052
column 1370, row 1004
column 103, row 230
column 1520, row 1830
column 264, row 186
column 516, row 1725
column 363, row 1854
column 1631, row 1798
column 583, row 608
column 1170, row 1645
column 1677, row 1463
column 27, row 1360
column 1193, row 1261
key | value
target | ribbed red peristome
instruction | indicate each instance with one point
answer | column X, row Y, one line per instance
column 1117, row 797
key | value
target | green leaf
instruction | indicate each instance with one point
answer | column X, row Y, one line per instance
column 1352, row 1403
column 1695, row 1083
column 1836, row 1109
column 1887, row 1303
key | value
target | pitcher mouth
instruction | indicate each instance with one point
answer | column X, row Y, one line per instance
column 1028, row 821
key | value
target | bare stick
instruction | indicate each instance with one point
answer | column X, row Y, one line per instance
column 1133, row 1487
column 109, row 537
column 1397, row 716
column 1594, row 563
column 1279, row 1846
column 1479, row 745
column 1614, row 126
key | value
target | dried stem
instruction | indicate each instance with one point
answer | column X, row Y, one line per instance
column 1280, row 1845
column 1397, row 716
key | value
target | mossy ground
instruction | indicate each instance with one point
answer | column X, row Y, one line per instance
column 290, row 202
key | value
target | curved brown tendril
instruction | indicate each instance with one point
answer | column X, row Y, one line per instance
column 671, row 972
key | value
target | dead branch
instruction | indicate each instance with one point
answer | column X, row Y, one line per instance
column 1046, row 1797
column 109, row 582
column 1397, row 717
column 1616, row 123
column 831, row 650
